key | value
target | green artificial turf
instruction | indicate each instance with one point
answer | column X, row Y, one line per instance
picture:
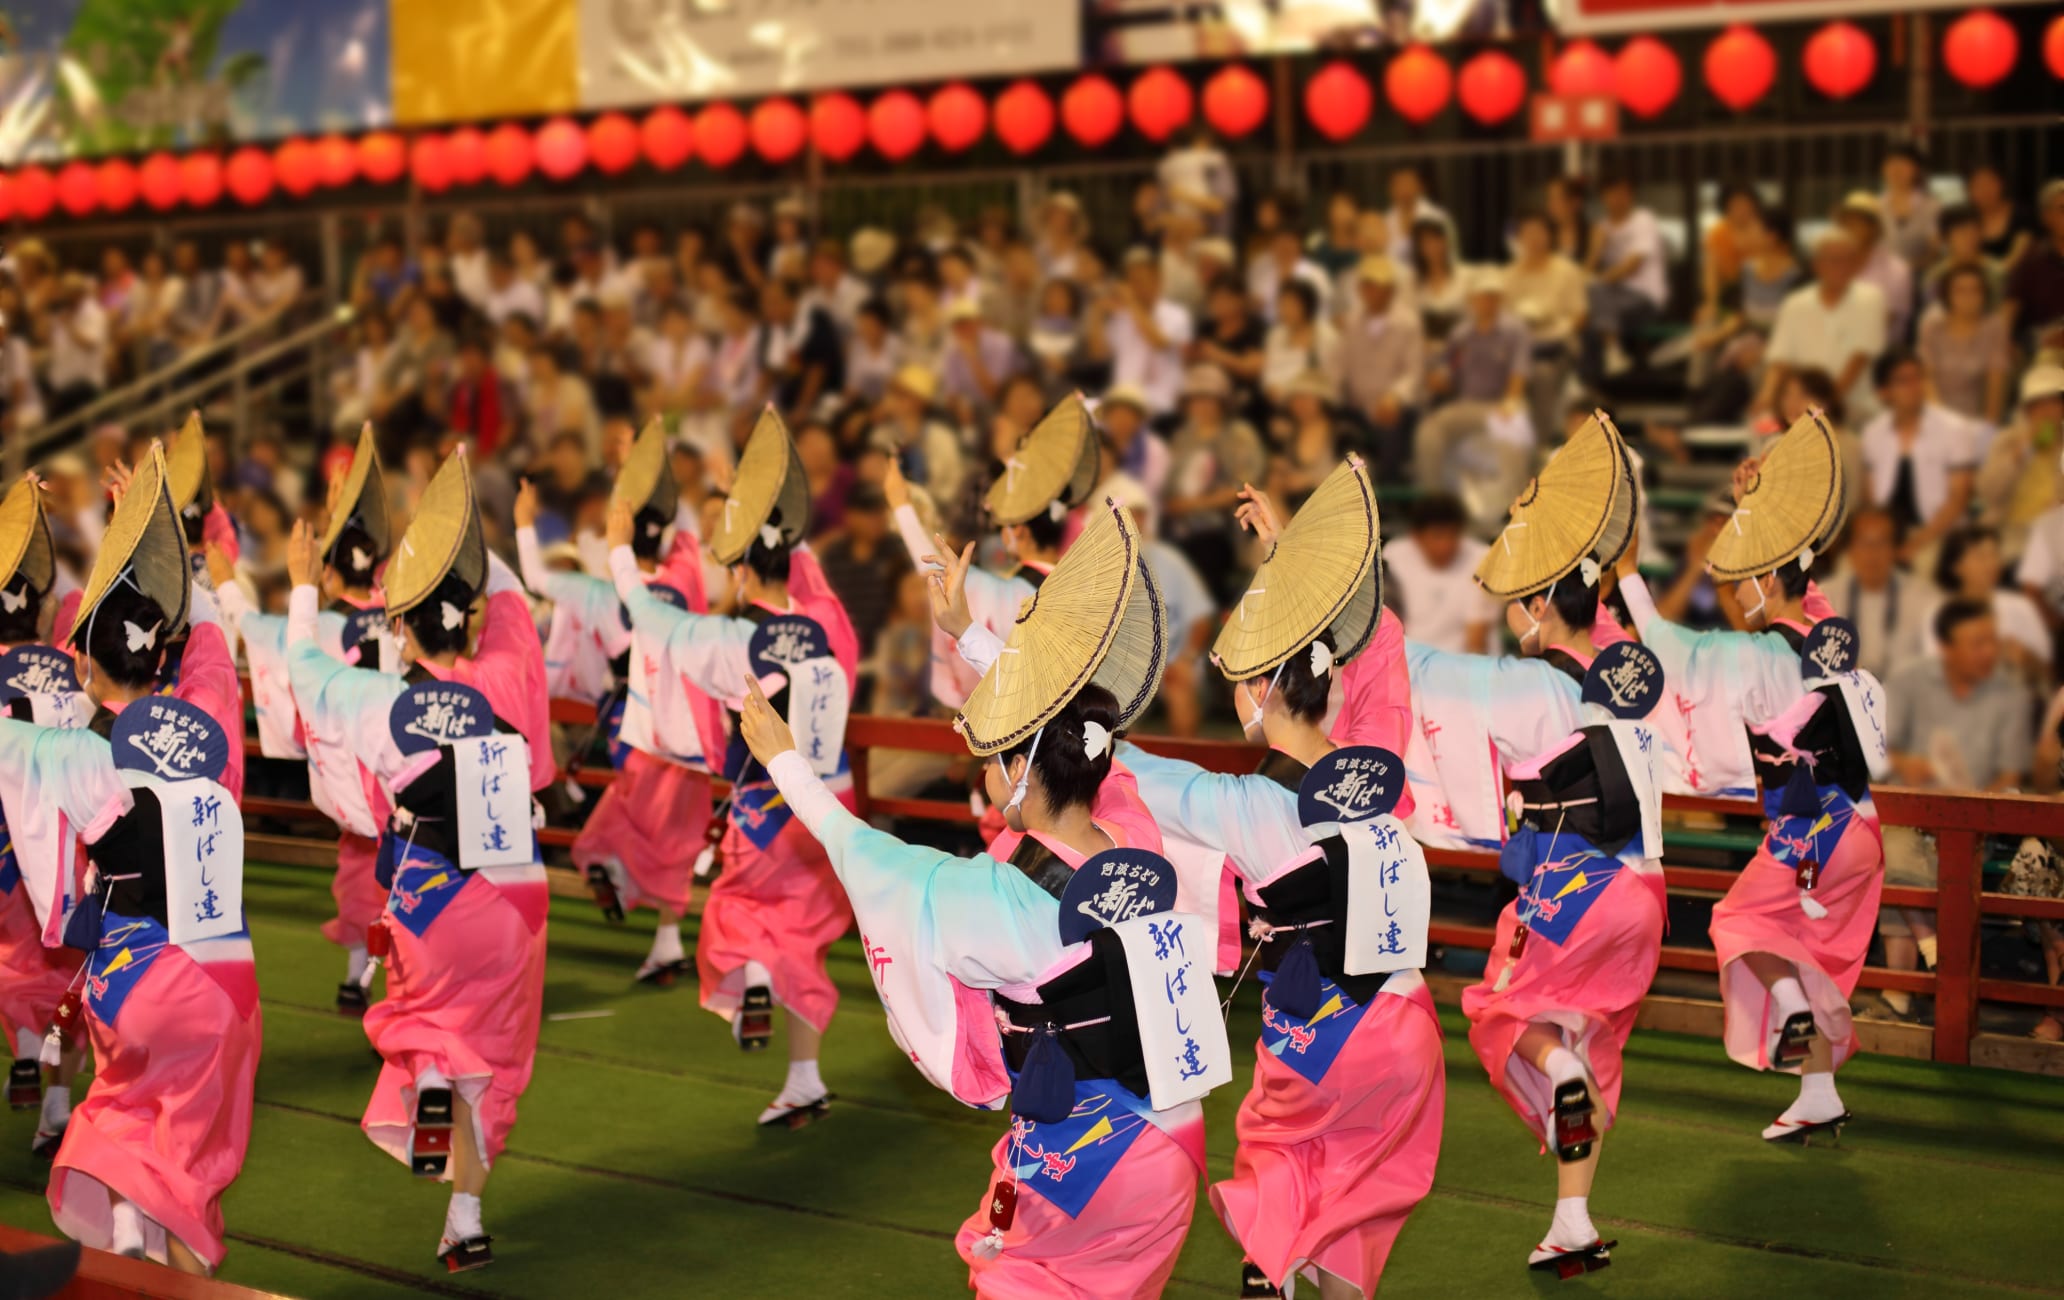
column 636, row 1169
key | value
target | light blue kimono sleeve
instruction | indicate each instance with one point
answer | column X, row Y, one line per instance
column 709, row 650
column 345, row 705
column 979, row 920
column 1755, row 675
column 1525, row 706
column 1251, row 819
column 63, row 768
column 590, row 599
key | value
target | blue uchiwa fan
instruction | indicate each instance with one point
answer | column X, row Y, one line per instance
column 1829, row 650
column 362, row 628
column 35, row 670
column 169, row 739
column 431, row 715
column 1625, row 679
column 1351, row 784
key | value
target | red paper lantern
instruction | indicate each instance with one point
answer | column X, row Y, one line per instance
column 200, row 179
column 896, row 125
column 838, row 125
column 1418, row 83
column 1740, row 67
column 1492, row 87
column 1338, row 100
column 429, row 162
column 779, row 129
column 157, row 180
column 336, row 162
column 382, row 157
column 1236, row 101
column 116, row 180
column 1840, row 60
column 561, row 149
column 78, row 192
column 34, row 193
column 296, row 167
column 1024, row 117
column 6, row 196
column 1092, row 110
column 510, row 154
column 465, row 153
column 720, row 135
column 2053, row 46
column 612, row 143
column 1647, row 75
column 249, row 176
column 1581, row 69
column 1980, row 48
column 957, row 116
column 668, row 137
column 1160, row 102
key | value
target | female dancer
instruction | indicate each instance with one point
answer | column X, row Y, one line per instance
column 1096, row 1181
column 774, row 912
column 37, row 685
column 170, row 994
column 1340, row 1132
column 640, row 844
column 1574, row 954
column 1794, row 929
column 464, row 927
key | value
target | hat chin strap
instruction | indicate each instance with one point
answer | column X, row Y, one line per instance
column 1013, row 812
column 1252, row 725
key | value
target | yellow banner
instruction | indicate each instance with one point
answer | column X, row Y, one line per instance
column 456, row 60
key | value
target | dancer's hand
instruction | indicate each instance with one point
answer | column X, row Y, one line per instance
column 766, row 732
column 617, row 532
column 1256, row 512
column 302, row 566
column 894, row 486
column 947, row 583
column 220, row 570
column 526, row 505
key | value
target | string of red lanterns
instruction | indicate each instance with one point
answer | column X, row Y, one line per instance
column 1980, row 49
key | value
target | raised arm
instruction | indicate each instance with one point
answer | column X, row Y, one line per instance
column 709, row 650
column 1251, row 819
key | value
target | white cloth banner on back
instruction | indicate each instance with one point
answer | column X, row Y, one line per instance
column 819, row 697
column 1168, row 956
column 1638, row 743
column 493, row 778
column 1389, row 898
column 1866, row 701
column 204, row 858
column 65, row 710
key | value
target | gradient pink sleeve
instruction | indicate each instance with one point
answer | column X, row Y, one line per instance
column 218, row 529
column 208, row 680
column 1816, row 603
column 811, row 590
column 1376, row 698
column 508, row 666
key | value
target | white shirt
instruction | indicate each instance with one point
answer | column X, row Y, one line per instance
column 1440, row 605
column 1945, row 443
column 18, row 375
column 2042, row 561
column 1809, row 333
column 79, row 360
column 1639, row 236
column 1265, row 283
column 469, row 276
column 519, row 295
column 674, row 362
column 1156, row 372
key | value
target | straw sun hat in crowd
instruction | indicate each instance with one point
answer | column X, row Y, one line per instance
column 26, row 551
column 1322, row 575
column 1097, row 619
column 186, row 468
column 770, row 494
column 1792, row 508
column 1576, row 516
column 646, row 481
column 1053, row 468
column 363, row 498
column 443, row 539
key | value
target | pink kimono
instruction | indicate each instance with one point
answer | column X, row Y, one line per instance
column 33, row 977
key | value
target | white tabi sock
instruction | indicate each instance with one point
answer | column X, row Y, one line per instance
column 28, row 1044
column 462, row 1218
column 758, row 976
column 666, row 945
column 127, row 1228
column 1818, row 1101
column 804, row 1084
column 1928, row 947
column 1788, row 999
column 1563, row 1066
column 1571, row 1228
column 57, row 1108
column 354, row 963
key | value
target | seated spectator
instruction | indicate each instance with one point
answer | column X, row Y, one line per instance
column 1301, row 343
column 509, row 292
column 1910, row 213
column 564, row 474
column 1920, row 457
column 1235, row 340
column 1181, row 235
column 2035, row 285
column 21, row 400
column 873, row 354
column 355, row 387
column 1481, row 441
column 1864, row 220
column 1306, row 443
column 1955, row 720
column 385, row 277
column 788, row 247
column 1968, row 566
column 677, row 361
column 1198, row 177
column 80, row 343
column 149, row 328
column 2004, row 227
column 1547, row 293
column 735, row 371
column 865, row 561
column 1565, row 200
column 1440, row 287
column 979, row 361
column 1835, row 324
column 1887, row 605
column 834, row 288
column 2020, row 482
column 1409, row 208
column 1135, row 448
column 1963, row 245
column 1630, row 284
column 1337, row 246
column 559, row 402
column 927, row 451
column 923, row 330
column 1729, row 352
column 1062, row 230
column 1283, row 262
column 1725, row 250
column 1432, row 573
column 1213, row 455
column 1383, row 356
column 1145, row 334
column 958, row 282
column 1016, row 299
column 476, row 404
column 276, row 284
column 1965, row 348
column 467, row 259
column 802, row 361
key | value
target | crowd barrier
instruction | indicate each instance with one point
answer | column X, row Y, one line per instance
column 1960, row 824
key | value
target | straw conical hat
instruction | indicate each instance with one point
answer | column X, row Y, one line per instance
column 647, row 476
column 186, row 470
column 364, row 498
column 443, row 538
column 145, row 542
column 25, row 547
column 1320, row 576
column 1561, row 518
column 1793, row 504
column 1056, row 462
column 1619, row 529
column 1097, row 619
column 769, row 481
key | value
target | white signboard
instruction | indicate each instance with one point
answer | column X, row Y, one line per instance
column 1169, row 958
column 641, row 51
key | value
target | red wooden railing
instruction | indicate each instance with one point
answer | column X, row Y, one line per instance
column 1959, row 822
column 102, row 1276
